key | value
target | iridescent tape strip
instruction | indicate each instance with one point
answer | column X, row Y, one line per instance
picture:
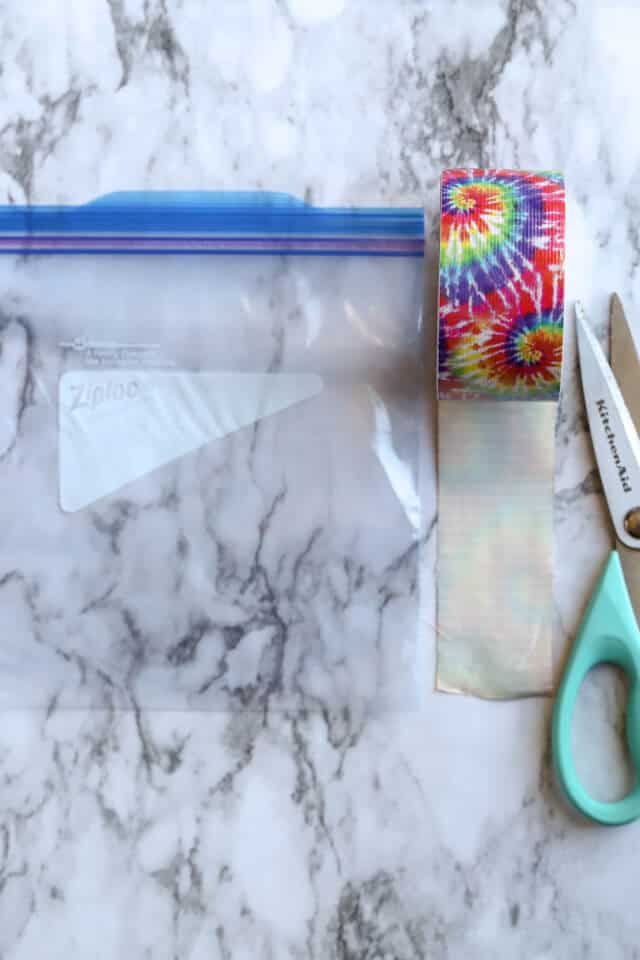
column 501, row 305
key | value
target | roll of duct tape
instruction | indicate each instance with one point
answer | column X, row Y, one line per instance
column 501, row 284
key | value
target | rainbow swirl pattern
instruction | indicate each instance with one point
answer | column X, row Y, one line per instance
column 501, row 284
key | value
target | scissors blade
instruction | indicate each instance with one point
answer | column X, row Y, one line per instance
column 626, row 369
column 613, row 434
column 624, row 359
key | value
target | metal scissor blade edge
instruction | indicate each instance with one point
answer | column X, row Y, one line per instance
column 624, row 359
column 613, row 434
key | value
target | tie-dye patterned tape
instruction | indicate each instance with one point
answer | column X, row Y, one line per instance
column 501, row 298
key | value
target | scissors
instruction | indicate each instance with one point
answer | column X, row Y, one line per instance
column 609, row 631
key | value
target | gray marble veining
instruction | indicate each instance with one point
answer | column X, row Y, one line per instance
column 432, row 833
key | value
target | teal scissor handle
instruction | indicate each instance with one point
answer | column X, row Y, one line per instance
column 608, row 634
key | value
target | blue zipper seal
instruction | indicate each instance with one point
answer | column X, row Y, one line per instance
column 210, row 222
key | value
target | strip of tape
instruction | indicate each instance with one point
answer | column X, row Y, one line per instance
column 501, row 306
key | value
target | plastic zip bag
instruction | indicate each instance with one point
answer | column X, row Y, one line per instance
column 208, row 468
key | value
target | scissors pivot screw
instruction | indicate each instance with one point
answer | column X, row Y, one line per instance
column 632, row 522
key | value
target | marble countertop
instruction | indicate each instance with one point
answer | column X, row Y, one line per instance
column 431, row 833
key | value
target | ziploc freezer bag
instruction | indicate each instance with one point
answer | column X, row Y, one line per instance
column 208, row 490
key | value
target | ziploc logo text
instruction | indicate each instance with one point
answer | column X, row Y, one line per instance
column 89, row 396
